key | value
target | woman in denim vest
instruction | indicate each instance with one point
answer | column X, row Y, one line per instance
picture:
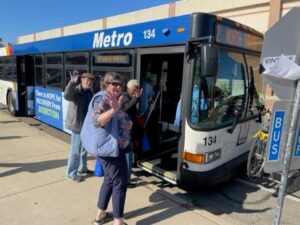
column 107, row 112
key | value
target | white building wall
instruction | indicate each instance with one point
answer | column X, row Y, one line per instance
column 83, row 27
column 252, row 13
column 48, row 34
column 154, row 13
column 26, row 38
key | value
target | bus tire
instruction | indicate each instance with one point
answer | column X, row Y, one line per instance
column 11, row 104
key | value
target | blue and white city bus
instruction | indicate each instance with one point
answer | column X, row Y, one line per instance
column 198, row 69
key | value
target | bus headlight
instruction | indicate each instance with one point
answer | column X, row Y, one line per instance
column 202, row 158
column 212, row 156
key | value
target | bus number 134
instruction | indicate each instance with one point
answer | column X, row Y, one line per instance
column 210, row 140
column 148, row 34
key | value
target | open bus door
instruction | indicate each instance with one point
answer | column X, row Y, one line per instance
column 160, row 73
column 25, row 78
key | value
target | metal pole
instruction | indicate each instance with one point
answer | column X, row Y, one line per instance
column 287, row 156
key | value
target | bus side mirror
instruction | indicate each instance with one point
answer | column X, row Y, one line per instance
column 209, row 61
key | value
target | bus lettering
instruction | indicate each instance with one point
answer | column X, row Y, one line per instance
column 277, row 136
column 278, row 122
column 210, row 140
column 148, row 34
column 113, row 40
column 275, row 149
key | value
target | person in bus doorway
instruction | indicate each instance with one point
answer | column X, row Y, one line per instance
column 79, row 96
column 107, row 113
column 130, row 100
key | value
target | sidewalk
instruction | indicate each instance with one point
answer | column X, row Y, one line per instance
column 33, row 189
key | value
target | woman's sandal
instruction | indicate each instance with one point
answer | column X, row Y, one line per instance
column 105, row 219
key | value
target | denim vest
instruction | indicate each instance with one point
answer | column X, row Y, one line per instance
column 100, row 141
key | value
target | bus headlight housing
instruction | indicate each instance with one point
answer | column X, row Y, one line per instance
column 212, row 156
column 203, row 158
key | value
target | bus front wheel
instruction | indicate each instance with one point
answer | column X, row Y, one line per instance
column 11, row 104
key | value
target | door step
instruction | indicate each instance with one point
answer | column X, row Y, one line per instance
column 151, row 167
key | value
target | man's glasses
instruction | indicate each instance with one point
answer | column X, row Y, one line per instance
column 115, row 84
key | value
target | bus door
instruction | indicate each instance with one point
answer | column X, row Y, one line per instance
column 160, row 72
column 25, row 82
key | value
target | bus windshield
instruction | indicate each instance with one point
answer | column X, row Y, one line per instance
column 214, row 100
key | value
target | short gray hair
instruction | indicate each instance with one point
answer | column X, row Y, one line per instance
column 110, row 77
column 132, row 84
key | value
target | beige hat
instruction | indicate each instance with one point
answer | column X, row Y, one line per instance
column 88, row 75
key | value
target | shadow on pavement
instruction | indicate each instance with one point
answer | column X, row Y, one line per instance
column 32, row 167
column 11, row 137
column 9, row 121
column 233, row 199
column 163, row 208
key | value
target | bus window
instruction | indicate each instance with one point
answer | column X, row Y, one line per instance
column 75, row 61
column 39, row 76
column 2, row 68
column 39, row 70
column 10, row 68
column 213, row 98
column 54, row 78
column 39, row 60
column 1, row 71
column 54, row 71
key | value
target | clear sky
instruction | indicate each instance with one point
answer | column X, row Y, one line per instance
column 21, row 17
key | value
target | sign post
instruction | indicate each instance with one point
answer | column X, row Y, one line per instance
column 287, row 156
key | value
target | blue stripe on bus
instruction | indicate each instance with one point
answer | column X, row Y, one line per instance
column 159, row 32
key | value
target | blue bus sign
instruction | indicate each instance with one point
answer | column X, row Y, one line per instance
column 48, row 106
column 276, row 134
column 297, row 148
column 295, row 163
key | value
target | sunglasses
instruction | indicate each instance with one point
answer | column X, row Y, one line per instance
column 115, row 84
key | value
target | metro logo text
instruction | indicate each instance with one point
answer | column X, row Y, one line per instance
column 112, row 40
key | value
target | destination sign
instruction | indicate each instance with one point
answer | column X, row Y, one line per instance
column 236, row 37
column 112, row 59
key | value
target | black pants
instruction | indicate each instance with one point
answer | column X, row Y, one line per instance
column 114, row 184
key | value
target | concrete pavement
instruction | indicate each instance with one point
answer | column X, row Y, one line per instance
column 33, row 189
